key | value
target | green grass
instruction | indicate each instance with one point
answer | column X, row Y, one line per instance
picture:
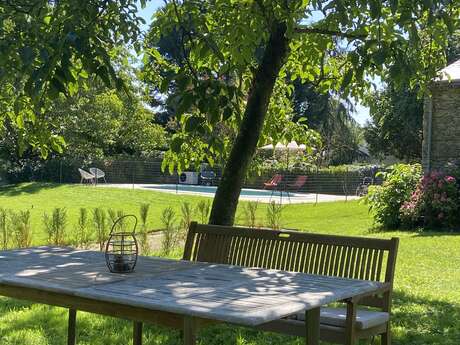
column 427, row 288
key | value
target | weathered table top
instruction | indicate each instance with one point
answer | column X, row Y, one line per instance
column 246, row 296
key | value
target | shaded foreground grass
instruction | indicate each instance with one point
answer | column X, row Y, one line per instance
column 427, row 291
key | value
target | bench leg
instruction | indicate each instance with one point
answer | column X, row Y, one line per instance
column 386, row 337
column 71, row 330
column 137, row 333
column 350, row 324
column 189, row 331
column 312, row 326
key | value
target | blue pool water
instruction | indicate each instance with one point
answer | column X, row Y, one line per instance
column 212, row 190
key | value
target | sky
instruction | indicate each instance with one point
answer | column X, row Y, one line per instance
column 361, row 114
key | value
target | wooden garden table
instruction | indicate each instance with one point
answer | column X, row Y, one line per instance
column 180, row 294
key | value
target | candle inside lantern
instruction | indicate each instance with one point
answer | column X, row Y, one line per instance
column 119, row 264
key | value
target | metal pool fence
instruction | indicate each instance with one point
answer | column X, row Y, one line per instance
column 341, row 182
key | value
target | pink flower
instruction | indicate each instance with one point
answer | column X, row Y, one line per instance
column 449, row 179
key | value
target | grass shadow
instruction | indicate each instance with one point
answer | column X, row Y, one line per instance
column 423, row 321
column 25, row 188
column 415, row 321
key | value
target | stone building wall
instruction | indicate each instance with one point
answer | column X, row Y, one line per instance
column 441, row 140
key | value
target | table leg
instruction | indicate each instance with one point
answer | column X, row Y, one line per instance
column 189, row 331
column 137, row 333
column 312, row 326
column 71, row 330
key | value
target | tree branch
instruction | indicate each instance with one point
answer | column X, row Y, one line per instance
column 319, row 31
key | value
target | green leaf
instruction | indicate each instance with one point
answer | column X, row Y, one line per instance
column 103, row 73
column 346, row 79
column 394, row 6
column 192, row 123
column 186, row 103
column 176, row 144
column 375, row 8
column 20, row 121
column 47, row 20
column 380, row 56
column 58, row 86
column 27, row 55
column 227, row 113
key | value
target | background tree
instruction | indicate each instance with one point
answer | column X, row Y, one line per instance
column 51, row 47
column 396, row 115
column 241, row 52
column 97, row 123
column 396, row 125
column 331, row 117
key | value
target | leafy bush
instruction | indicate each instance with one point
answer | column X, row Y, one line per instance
column 434, row 202
column 22, row 231
column 274, row 212
column 55, row 225
column 249, row 212
column 385, row 201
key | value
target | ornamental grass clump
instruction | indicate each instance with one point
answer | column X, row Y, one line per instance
column 250, row 213
column 434, row 203
column 186, row 211
column 21, row 228
column 203, row 208
column 144, row 238
column 83, row 235
column 170, row 231
column 274, row 213
column 4, row 229
column 55, row 225
column 100, row 225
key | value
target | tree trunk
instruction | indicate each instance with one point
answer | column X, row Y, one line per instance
column 227, row 194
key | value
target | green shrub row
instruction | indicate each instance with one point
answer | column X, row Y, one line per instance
column 92, row 227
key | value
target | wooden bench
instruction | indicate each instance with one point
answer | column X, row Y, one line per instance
column 339, row 256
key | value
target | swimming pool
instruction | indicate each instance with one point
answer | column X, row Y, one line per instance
column 211, row 190
column 261, row 195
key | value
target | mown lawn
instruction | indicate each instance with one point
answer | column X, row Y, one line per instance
column 427, row 292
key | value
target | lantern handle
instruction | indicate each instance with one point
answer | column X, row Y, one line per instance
column 123, row 217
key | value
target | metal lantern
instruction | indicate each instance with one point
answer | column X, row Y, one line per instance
column 122, row 250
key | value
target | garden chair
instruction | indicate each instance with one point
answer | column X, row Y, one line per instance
column 98, row 173
column 298, row 183
column 273, row 182
column 86, row 176
column 341, row 256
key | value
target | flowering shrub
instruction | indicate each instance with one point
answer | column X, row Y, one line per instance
column 433, row 203
column 386, row 200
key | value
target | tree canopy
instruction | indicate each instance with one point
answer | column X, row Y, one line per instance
column 49, row 48
column 396, row 126
column 239, row 57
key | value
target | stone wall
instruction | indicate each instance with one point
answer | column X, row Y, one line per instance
column 441, row 142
